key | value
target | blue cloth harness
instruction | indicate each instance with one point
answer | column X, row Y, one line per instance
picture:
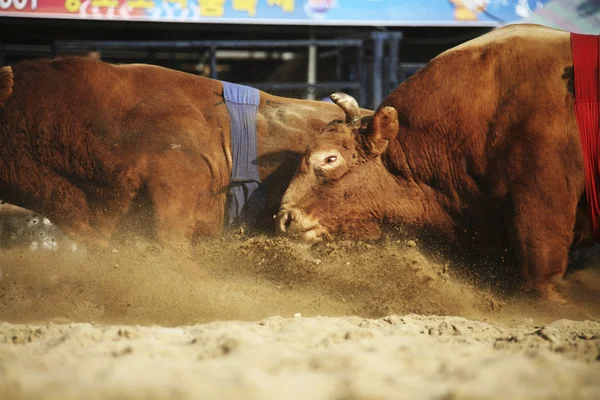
column 246, row 197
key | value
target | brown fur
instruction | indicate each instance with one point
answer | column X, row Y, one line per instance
column 92, row 146
column 6, row 84
column 486, row 154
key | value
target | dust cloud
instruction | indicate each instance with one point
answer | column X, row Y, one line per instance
column 247, row 278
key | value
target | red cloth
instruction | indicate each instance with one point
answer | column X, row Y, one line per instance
column 585, row 50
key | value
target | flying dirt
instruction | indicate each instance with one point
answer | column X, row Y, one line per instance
column 265, row 315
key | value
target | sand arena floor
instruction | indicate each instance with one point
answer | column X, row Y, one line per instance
column 258, row 317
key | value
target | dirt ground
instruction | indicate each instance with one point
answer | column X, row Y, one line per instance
column 261, row 317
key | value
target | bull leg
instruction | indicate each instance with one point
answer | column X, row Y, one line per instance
column 36, row 187
column 185, row 204
column 41, row 189
column 541, row 234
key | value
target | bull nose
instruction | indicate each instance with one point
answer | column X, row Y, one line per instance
column 285, row 217
column 296, row 223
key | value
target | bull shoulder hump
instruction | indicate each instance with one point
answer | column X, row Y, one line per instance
column 509, row 33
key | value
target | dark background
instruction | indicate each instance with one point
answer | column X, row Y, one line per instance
column 27, row 38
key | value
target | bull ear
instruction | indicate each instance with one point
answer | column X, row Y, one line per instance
column 382, row 128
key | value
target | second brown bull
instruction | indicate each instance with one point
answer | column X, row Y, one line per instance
column 480, row 147
column 93, row 146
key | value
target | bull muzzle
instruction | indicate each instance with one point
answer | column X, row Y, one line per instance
column 295, row 223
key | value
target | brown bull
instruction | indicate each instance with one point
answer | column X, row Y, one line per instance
column 89, row 144
column 481, row 147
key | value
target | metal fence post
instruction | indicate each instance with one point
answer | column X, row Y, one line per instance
column 312, row 70
column 377, row 63
column 394, row 45
column 361, row 75
column 339, row 60
column 213, row 62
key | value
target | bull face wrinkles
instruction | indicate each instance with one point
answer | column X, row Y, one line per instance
column 338, row 185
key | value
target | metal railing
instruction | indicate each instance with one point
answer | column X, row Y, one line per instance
column 213, row 45
column 375, row 60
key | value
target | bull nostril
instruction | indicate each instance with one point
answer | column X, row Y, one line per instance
column 282, row 220
column 287, row 220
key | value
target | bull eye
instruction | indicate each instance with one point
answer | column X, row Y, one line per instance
column 330, row 159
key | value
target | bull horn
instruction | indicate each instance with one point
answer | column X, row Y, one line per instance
column 350, row 107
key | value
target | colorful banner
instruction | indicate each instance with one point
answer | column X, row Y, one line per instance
column 578, row 16
column 302, row 12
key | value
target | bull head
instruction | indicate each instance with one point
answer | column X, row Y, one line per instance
column 338, row 185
